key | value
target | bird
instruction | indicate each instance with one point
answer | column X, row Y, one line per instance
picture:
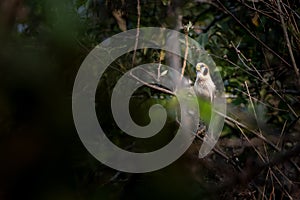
column 204, row 86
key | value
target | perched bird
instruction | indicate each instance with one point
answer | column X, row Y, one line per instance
column 205, row 89
column 204, row 86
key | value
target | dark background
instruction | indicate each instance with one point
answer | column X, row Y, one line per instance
column 255, row 45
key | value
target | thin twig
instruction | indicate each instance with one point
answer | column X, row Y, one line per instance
column 185, row 54
column 288, row 43
column 281, row 135
column 256, row 134
column 259, row 77
column 248, row 140
column 152, row 86
column 250, row 130
column 262, row 79
column 257, row 100
column 252, row 104
column 217, row 151
column 280, row 184
column 252, row 34
column 259, row 11
column 245, row 178
column 137, row 30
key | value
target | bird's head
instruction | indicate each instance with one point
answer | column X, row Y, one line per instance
column 202, row 71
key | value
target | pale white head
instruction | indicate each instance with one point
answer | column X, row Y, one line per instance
column 202, row 71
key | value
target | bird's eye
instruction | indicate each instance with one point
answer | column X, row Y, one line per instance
column 205, row 71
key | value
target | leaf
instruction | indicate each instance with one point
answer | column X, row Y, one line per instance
column 164, row 73
column 255, row 20
column 165, row 2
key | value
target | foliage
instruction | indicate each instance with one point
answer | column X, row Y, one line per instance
column 255, row 45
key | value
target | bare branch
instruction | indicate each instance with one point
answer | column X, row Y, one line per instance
column 252, row 34
column 137, row 31
column 288, row 43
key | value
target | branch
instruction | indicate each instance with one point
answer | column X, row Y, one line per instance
column 138, row 30
column 186, row 51
column 254, row 168
column 153, row 86
column 288, row 43
column 254, row 36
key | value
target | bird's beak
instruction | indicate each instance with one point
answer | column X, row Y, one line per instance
column 198, row 68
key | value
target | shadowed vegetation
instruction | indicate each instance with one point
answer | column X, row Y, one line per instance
column 255, row 45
